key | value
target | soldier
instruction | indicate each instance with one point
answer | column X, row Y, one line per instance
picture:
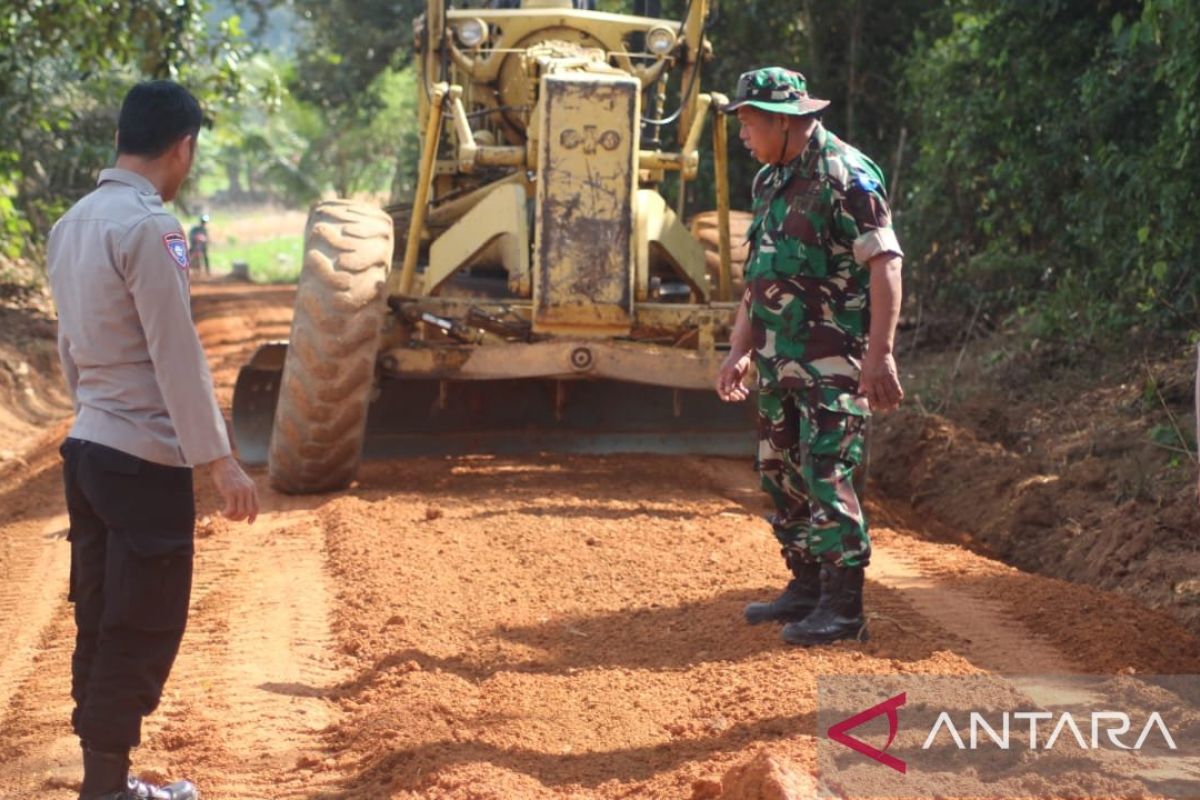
column 818, row 320
column 145, row 414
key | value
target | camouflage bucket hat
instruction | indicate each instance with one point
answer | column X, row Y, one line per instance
column 774, row 89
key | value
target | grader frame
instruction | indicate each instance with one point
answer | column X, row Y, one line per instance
column 542, row 293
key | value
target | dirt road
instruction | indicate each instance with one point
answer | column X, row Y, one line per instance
column 544, row 627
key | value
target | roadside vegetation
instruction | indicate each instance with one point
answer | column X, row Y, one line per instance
column 1043, row 156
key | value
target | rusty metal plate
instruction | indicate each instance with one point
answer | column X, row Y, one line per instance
column 583, row 281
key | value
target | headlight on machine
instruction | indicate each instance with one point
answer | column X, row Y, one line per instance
column 471, row 32
column 659, row 41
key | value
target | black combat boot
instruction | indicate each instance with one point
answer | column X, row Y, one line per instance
column 839, row 612
column 103, row 773
column 106, row 777
column 798, row 598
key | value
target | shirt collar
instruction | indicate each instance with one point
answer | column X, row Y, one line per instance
column 127, row 177
column 806, row 161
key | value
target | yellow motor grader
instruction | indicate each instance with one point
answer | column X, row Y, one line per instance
column 539, row 293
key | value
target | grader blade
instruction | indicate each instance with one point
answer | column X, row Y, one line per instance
column 255, row 396
column 430, row 416
column 530, row 415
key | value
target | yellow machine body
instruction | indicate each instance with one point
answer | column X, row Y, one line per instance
column 544, row 293
column 583, row 259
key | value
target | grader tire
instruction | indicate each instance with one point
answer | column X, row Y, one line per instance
column 704, row 229
column 320, row 421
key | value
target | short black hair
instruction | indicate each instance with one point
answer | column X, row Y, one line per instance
column 154, row 116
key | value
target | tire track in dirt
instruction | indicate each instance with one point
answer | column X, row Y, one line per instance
column 37, row 750
column 243, row 712
column 248, row 691
column 34, row 570
column 246, row 712
column 994, row 641
column 991, row 638
column 548, row 627
column 32, row 593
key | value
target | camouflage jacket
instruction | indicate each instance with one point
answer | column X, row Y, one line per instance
column 818, row 220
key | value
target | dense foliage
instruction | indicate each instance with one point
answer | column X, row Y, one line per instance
column 293, row 117
column 1059, row 166
column 1043, row 155
column 64, row 67
column 852, row 52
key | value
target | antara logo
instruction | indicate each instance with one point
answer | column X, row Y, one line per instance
column 839, row 732
column 1114, row 724
column 1106, row 728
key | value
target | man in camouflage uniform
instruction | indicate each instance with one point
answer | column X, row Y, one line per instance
column 818, row 321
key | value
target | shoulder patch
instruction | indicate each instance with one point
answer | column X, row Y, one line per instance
column 865, row 181
column 177, row 248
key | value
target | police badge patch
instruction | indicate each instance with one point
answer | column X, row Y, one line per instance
column 177, row 248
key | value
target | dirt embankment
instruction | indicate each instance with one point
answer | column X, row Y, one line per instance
column 1081, row 474
column 32, row 393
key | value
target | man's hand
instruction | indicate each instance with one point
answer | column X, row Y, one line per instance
column 880, row 382
column 237, row 490
column 729, row 379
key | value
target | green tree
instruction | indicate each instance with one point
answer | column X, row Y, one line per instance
column 351, row 70
column 1058, row 163
column 851, row 51
column 369, row 142
column 64, row 67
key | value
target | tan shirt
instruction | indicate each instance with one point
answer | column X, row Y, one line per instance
column 133, row 362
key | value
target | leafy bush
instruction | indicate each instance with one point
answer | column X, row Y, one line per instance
column 1058, row 163
column 64, row 67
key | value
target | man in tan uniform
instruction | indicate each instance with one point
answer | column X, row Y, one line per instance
column 145, row 415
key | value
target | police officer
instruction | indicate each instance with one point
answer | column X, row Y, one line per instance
column 145, row 415
column 818, row 320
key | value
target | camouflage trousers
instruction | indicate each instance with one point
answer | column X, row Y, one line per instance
column 809, row 457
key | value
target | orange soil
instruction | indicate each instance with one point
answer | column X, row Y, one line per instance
column 541, row 627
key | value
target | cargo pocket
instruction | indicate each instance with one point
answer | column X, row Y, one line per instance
column 156, row 545
column 112, row 484
column 151, row 585
column 839, row 429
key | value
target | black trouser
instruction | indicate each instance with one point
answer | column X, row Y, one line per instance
column 132, row 525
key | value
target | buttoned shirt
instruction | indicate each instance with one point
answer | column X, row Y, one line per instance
column 818, row 221
column 132, row 359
